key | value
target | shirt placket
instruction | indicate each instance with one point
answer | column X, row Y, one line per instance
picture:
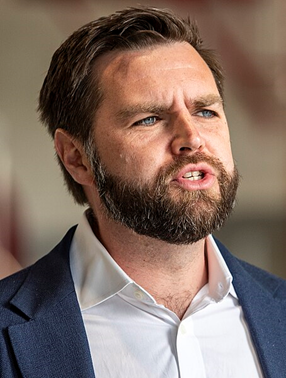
column 190, row 359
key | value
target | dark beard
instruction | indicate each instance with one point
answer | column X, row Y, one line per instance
column 182, row 217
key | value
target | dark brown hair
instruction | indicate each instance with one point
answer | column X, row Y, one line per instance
column 70, row 94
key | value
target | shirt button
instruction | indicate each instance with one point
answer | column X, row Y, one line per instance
column 183, row 329
column 138, row 295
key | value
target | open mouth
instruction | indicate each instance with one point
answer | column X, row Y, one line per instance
column 199, row 176
column 194, row 175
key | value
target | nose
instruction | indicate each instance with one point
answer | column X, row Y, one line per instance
column 187, row 137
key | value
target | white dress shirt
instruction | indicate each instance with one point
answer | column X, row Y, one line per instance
column 131, row 336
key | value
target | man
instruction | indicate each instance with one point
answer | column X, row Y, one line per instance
column 140, row 288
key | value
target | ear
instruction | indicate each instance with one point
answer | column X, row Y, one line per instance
column 73, row 157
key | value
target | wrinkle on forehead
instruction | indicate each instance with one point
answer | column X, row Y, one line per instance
column 149, row 107
column 122, row 63
column 163, row 78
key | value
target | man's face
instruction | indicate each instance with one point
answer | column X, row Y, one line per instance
column 163, row 163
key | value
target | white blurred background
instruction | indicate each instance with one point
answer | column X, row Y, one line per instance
column 35, row 208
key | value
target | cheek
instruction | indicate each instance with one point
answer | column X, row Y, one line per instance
column 226, row 157
column 229, row 163
column 140, row 162
column 124, row 159
column 219, row 146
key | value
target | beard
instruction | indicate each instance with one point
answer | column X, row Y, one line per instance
column 173, row 215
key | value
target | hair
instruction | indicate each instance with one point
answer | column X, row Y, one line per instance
column 71, row 92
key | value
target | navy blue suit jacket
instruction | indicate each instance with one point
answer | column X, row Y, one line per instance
column 43, row 335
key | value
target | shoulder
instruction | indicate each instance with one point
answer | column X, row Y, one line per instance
column 245, row 272
column 43, row 275
column 269, row 281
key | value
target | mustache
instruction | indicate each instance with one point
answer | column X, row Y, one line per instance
column 181, row 161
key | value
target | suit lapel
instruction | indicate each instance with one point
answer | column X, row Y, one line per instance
column 264, row 311
column 53, row 342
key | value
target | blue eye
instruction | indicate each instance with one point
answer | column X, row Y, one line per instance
column 148, row 121
column 206, row 113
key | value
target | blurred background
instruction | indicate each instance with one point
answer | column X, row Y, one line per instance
column 36, row 210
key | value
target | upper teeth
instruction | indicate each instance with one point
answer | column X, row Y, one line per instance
column 194, row 175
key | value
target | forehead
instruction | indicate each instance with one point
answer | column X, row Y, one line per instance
column 158, row 70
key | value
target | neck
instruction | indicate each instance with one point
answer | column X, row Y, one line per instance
column 172, row 274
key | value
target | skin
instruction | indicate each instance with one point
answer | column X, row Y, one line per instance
column 9, row 264
column 159, row 104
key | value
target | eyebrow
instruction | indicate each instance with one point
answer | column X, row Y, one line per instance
column 133, row 110
column 208, row 100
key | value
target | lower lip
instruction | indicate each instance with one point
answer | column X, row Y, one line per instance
column 203, row 184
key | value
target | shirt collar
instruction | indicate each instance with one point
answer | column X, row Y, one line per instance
column 219, row 284
column 220, row 278
column 98, row 277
